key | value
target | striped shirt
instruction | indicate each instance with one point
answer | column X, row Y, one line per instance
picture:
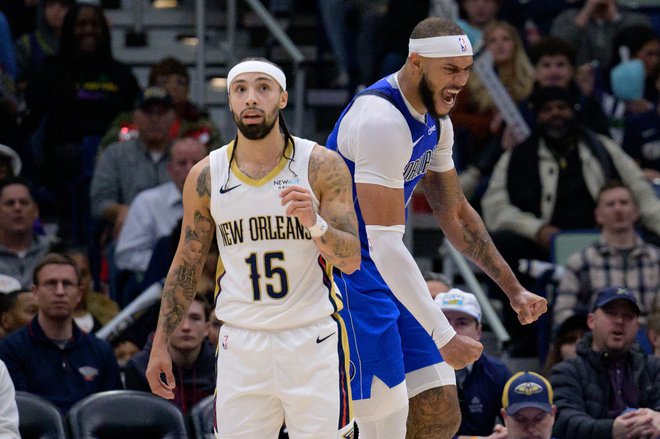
column 601, row 265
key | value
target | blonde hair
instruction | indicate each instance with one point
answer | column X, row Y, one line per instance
column 516, row 73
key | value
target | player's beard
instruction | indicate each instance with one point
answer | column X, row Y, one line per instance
column 427, row 96
column 257, row 131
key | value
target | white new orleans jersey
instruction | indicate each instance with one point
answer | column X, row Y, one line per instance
column 271, row 275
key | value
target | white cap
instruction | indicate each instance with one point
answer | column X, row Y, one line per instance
column 457, row 300
column 13, row 156
column 8, row 284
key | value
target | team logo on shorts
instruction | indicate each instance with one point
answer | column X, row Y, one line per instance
column 463, row 44
column 224, row 341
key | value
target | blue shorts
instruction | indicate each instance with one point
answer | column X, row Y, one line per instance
column 385, row 339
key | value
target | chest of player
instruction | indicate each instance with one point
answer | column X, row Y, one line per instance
column 250, row 213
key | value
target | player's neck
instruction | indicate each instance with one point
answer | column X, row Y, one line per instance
column 410, row 89
column 256, row 158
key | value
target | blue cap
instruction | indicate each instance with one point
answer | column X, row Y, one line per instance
column 610, row 294
column 527, row 389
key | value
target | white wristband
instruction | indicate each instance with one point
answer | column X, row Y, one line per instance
column 319, row 228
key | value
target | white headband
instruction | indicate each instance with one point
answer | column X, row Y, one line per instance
column 257, row 67
column 441, row 47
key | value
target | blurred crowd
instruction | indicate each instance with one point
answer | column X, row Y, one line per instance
column 559, row 132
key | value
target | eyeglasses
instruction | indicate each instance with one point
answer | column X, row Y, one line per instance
column 51, row 285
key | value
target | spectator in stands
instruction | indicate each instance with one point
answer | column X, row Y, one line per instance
column 10, row 163
column 476, row 117
column 94, row 309
column 33, row 48
column 193, row 359
column 79, row 91
column 20, row 248
column 555, row 65
column 527, row 407
column 127, row 168
column 653, row 332
column 592, row 28
column 155, row 212
column 620, row 257
column 478, row 14
column 8, row 408
column 437, row 282
column 550, row 183
column 17, row 309
column 170, row 74
column 51, row 357
column 480, row 384
column 639, row 44
column 565, row 341
column 641, row 139
column 611, row 389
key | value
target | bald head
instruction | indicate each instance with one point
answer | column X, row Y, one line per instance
column 183, row 156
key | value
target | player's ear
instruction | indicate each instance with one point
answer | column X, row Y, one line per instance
column 416, row 63
column 284, row 100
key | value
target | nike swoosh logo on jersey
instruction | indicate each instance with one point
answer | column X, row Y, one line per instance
column 321, row 340
column 224, row 191
column 417, row 141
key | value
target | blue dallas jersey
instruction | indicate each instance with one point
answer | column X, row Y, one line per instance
column 385, row 339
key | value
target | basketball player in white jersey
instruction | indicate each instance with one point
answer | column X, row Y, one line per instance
column 283, row 216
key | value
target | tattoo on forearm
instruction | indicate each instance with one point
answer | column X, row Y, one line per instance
column 204, row 182
column 328, row 171
column 480, row 248
column 182, row 279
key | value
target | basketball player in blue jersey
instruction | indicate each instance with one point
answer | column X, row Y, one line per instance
column 282, row 211
column 393, row 136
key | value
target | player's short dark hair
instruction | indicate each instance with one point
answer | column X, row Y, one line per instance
column 55, row 259
column 553, row 46
column 435, row 27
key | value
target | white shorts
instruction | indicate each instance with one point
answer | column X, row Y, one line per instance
column 435, row 375
column 298, row 376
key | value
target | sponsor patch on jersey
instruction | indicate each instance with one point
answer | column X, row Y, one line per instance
column 88, row 372
column 283, row 183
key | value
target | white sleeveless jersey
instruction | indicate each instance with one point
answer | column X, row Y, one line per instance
column 271, row 275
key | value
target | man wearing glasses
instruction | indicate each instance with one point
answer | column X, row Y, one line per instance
column 51, row 357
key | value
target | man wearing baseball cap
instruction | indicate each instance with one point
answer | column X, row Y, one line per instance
column 481, row 383
column 527, row 407
column 611, row 389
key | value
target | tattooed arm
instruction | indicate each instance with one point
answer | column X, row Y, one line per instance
column 466, row 231
column 331, row 182
column 330, row 178
column 196, row 238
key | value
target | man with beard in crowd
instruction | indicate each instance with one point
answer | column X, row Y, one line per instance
column 550, row 183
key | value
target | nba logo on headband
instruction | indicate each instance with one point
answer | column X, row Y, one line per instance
column 461, row 41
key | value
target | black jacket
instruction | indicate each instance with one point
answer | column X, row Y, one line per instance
column 582, row 390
